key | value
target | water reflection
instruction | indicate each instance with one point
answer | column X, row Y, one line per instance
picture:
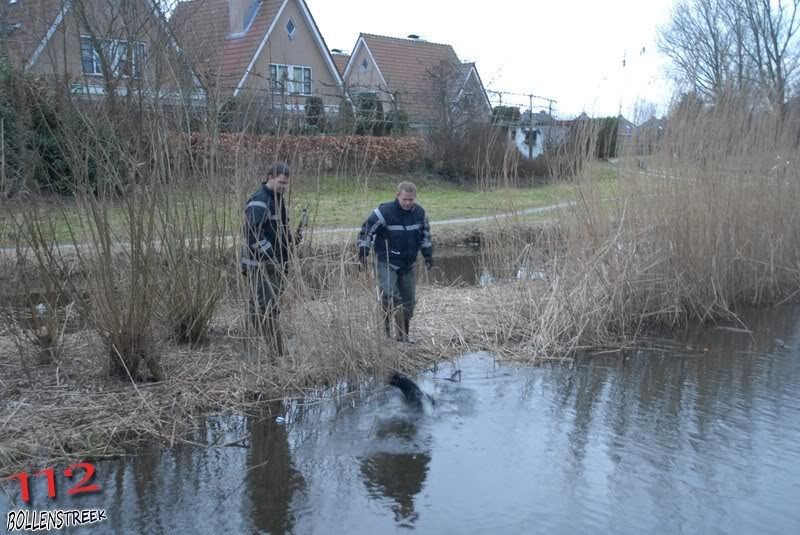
column 272, row 480
column 700, row 433
column 399, row 477
column 468, row 267
column 454, row 267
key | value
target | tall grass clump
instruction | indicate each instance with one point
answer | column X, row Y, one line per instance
column 123, row 280
column 194, row 227
column 704, row 224
column 41, row 292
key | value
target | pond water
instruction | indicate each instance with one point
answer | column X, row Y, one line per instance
column 466, row 267
column 701, row 436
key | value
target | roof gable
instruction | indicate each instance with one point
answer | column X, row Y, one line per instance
column 408, row 68
column 470, row 71
column 29, row 26
column 202, row 27
column 225, row 61
column 406, row 63
column 35, row 22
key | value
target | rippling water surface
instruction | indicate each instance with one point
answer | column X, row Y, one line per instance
column 703, row 438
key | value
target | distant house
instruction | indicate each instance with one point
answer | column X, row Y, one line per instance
column 268, row 52
column 649, row 134
column 424, row 80
column 100, row 46
column 340, row 58
column 539, row 118
column 626, row 131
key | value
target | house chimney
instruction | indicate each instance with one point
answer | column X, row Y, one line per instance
column 241, row 12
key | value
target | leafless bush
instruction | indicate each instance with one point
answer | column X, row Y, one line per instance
column 194, row 226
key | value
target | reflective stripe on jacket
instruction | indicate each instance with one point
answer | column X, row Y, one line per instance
column 267, row 236
column 397, row 235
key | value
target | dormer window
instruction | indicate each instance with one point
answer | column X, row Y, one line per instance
column 364, row 65
column 12, row 1
column 290, row 28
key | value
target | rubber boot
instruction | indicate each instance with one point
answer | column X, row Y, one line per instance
column 400, row 325
column 407, row 327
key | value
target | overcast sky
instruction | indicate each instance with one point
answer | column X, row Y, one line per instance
column 570, row 50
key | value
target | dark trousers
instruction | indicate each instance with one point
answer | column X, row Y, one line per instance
column 398, row 289
column 265, row 284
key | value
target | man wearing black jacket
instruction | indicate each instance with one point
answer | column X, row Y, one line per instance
column 265, row 253
column 398, row 231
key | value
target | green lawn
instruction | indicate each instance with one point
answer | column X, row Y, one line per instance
column 337, row 204
column 333, row 202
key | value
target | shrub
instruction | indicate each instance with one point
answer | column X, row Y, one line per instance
column 505, row 115
column 10, row 172
column 371, row 118
column 313, row 153
column 487, row 154
column 606, row 143
column 315, row 113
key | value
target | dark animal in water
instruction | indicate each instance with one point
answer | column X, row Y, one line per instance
column 409, row 388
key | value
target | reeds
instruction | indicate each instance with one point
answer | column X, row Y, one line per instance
column 146, row 257
column 705, row 223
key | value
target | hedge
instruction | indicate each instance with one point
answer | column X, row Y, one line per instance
column 313, row 153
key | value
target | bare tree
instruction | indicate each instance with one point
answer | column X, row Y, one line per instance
column 772, row 44
column 700, row 43
column 450, row 104
column 716, row 45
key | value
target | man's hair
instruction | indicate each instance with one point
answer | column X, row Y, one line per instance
column 408, row 187
column 278, row 169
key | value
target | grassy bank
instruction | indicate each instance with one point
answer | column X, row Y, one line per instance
column 345, row 202
column 333, row 202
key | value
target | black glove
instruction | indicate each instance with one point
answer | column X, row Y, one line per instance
column 429, row 262
column 362, row 262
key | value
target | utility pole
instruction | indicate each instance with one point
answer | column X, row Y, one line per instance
column 529, row 137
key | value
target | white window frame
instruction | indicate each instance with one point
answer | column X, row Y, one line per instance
column 294, row 28
column 365, row 65
column 113, row 47
column 292, row 84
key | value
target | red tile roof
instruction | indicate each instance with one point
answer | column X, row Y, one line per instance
column 340, row 59
column 407, row 65
column 202, row 27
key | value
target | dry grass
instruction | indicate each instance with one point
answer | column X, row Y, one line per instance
column 74, row 409
column 710, row 224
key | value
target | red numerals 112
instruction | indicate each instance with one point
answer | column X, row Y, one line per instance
column 79, row 488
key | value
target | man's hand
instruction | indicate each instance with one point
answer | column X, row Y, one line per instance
column 429, row 263
column 362, row 262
